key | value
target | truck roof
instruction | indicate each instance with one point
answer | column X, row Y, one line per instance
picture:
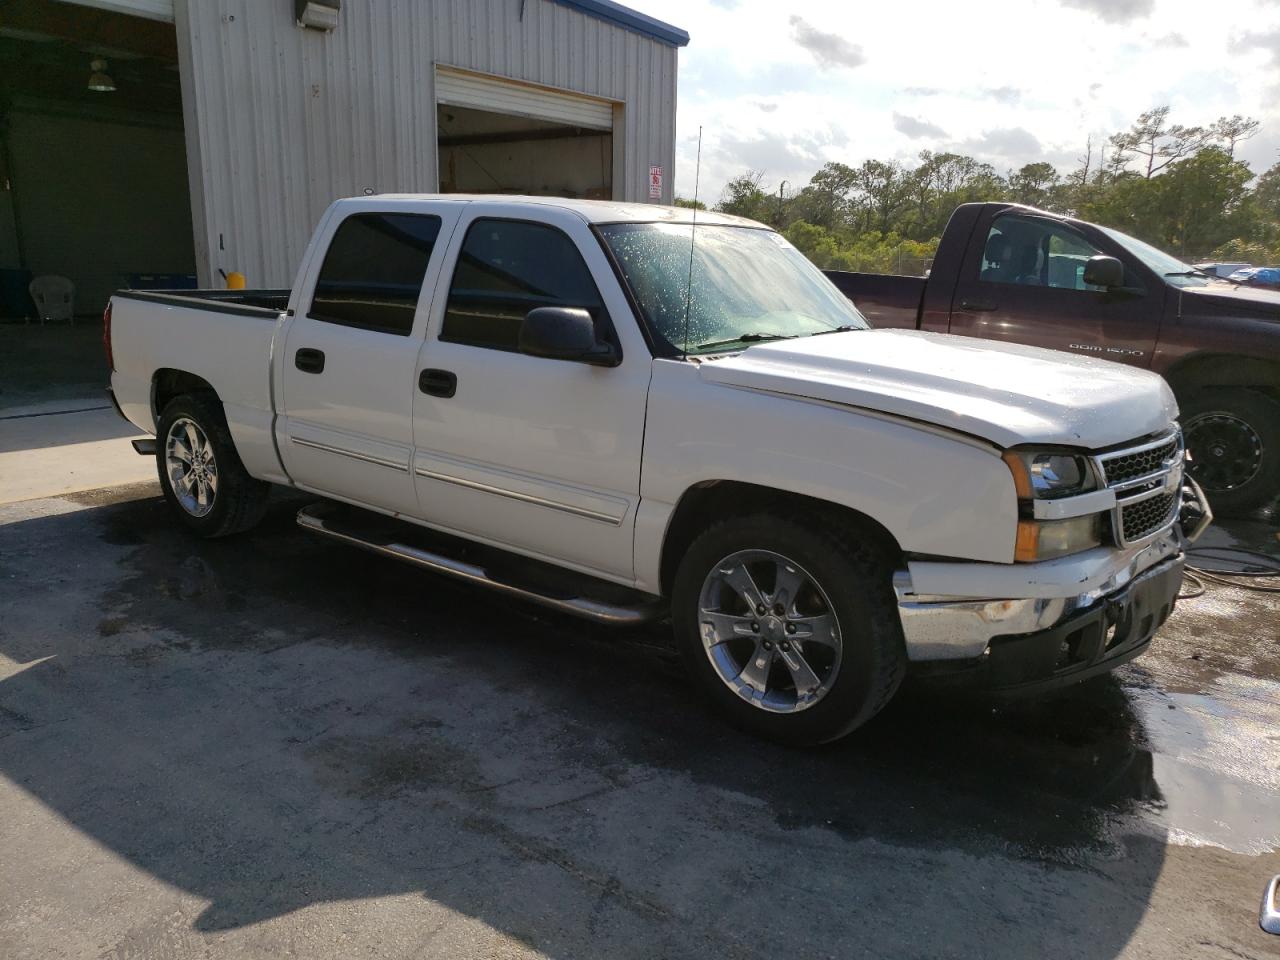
column 592, row 211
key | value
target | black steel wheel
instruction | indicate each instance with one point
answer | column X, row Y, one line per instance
column 1233, row 436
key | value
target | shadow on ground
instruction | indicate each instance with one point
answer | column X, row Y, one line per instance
column 273, row 722
column 51, row 362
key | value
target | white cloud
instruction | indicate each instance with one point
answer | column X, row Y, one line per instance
column 1007, row 143
column 1061, row 75
column 829, row 49
column 916, row 128
column 1114, row 11
column 1267, row 40
column 1003, row 94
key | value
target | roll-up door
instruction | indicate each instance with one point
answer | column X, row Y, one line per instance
column 151, row 9
column 493, row 94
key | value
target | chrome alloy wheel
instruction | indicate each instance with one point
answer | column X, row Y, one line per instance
column 189, row 461
column 770, row 631
column 1226, row 452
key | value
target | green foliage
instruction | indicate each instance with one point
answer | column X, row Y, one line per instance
column 865, row 252
column 1175, row 186
column 1198, row 204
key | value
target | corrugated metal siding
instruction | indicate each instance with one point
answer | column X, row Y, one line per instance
column 281, row 120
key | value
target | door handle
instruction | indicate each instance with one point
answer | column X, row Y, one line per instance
column 978, row 306
column 309, row 361
column 438, row 383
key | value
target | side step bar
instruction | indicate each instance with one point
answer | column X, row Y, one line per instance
column 146, row 446
column 570, row 595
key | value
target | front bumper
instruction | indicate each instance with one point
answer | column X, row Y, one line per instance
column 1074, row 618
column 1085, row 644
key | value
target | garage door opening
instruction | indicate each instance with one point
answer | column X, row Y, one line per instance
column 92, row 155
column 500, row 137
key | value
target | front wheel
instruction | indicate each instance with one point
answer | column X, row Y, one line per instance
column 201, row 473
column 790, row 629
column 1233, row 436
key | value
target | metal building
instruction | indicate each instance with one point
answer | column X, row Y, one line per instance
column 277, row 107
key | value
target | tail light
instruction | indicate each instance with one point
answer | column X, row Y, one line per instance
column 106, row 337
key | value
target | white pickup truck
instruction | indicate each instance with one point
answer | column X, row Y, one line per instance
column 621, row 413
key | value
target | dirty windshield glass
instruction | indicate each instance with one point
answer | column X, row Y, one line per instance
column 748, row 285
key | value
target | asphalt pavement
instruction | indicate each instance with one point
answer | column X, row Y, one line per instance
column 273, row 745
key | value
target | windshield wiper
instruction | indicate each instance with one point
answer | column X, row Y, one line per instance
column 1193, row 273
column 844, row 329
column 745, row 338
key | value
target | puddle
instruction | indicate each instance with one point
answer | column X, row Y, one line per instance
column 1216, row 757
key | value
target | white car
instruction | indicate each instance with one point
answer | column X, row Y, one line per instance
column 817, row 506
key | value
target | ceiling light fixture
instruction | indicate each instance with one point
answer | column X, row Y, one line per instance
column 98, row 78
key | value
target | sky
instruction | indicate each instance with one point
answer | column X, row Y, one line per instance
column 786, row 87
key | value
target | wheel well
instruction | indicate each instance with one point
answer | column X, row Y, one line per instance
column 1224, row 370
column 713, row 500
column 168, row 383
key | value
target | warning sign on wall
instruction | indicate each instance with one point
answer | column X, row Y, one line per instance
column 655, row 182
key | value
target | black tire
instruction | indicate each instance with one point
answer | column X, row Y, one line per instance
column 239, row 500
column 1222, row 426
column 854, row 573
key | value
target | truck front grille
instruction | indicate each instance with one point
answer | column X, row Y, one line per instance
column 1120, row 467
column 1137, row 520
column 1147, row 480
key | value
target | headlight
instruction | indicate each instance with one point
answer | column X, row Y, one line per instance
column 1047, row 539
column 1050, row 476
column 1045, row 476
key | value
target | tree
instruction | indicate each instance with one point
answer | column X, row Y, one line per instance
column 825, row 201
column 1267, row 194
column 1177, row 187
column 1234, row 129
column 690, row 204
column 1033, row 184
column 882, row 189
column 743, row 197
column 1197, row 204
column 1155, row 142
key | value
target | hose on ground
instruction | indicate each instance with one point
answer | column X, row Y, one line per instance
column 1242, row 567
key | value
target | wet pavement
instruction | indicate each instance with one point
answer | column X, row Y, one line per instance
column 274, row 745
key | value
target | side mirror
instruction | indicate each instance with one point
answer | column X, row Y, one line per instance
column 1101, row 271
column 565, row 333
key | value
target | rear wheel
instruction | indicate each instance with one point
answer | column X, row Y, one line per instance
column 791, row 630
column 201, row 473
column 1233, row 435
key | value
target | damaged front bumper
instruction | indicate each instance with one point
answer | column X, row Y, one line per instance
column 1045, row 624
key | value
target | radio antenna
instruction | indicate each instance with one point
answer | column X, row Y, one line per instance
column 688, row 293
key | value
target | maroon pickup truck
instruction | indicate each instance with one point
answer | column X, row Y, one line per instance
column 1008, row 272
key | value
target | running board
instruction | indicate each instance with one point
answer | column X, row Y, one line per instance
column 531, row 580
column 145, row 446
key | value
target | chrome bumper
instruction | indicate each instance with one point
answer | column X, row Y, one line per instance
column 957, row 628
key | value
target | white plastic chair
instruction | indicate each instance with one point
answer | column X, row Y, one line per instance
column 55, row 297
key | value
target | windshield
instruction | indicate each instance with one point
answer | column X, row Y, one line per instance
column 749, row 284
column 1171, row 268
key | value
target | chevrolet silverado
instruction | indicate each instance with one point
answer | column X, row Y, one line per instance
column 628, row 412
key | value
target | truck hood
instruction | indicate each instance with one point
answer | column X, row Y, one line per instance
column 1231, row 300
column 1005, row 393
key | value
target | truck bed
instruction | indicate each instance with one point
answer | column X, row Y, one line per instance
column 243, row 302
column 886, row 301
column 223, row 337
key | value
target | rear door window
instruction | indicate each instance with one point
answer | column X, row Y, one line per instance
column 373, row 270
column 507, row 268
